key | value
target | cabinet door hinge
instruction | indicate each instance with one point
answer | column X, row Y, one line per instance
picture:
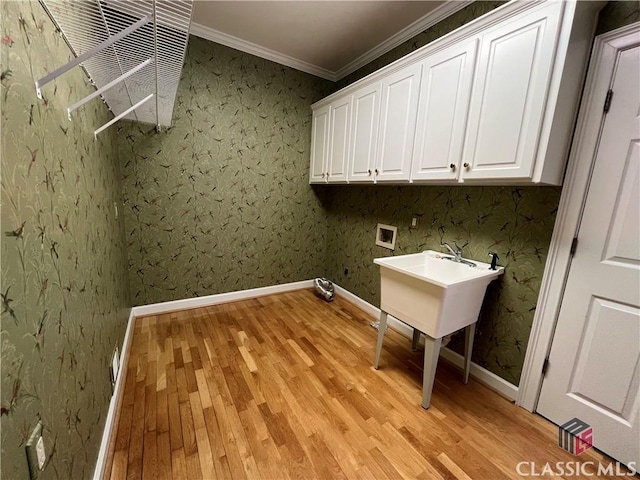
column 545, row 366
column 574, row 246
column 607, row 101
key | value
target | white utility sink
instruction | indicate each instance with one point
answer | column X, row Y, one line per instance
column 436, row 296
column 431, row 293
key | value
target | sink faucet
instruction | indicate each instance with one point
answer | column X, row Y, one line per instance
column 457, row 254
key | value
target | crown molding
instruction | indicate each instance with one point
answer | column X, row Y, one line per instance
column 430, row 19
column 440, row 13
column 248, row 47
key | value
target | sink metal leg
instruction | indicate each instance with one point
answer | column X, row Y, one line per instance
column 416, row 340
column 381, row 329
column 431, row 354
column 469, row 334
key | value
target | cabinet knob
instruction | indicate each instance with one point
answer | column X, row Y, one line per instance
column 376, row 171
column 322, row 174
column 466, row 166
column 452, row 167
column 369, row 171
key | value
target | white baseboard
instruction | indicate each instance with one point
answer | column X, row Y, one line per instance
column 109, row 424
column 363, row 304
column 481, row 374
column 187, row 303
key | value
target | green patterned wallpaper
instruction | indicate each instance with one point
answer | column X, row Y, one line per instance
column 65, row 291
column 617, row 14
column 221, row 201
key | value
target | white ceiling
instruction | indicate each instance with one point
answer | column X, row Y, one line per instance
column 329, row 39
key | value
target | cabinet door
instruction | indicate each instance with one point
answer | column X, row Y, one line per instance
column 319, row 145
column 364, row 133
column 339, row 139
column 507, row 106
column 398, row 113
column 442, row 112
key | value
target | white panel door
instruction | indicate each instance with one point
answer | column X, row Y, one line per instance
column 364, row 133
column 319, row 145
column 400, row 92
column 339, row 139
column 442, row 112
column 594, row 363
column 507, row 106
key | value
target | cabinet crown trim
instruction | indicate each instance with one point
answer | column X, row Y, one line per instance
column 467, row 30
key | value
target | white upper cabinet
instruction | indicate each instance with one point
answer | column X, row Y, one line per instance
column 491, row 103
column 339, row 139
column 400, row 92
column 364, row 133
column 442, row 112
column 510, row 95
column 319, row 145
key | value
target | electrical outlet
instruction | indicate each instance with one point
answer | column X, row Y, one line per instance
column 115, row 366
column 36, row 453
column 115, row 207
column 40, row 453
column 414, row 222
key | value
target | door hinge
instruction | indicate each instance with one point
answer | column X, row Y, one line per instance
column 607, row 101
column 545, row 366
column 574, row 246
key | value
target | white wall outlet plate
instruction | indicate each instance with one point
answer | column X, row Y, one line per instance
column 115, row 366
column 42, row 456
column 36, row 453
column 386, row 236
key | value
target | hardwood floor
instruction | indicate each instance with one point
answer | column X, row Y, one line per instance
column 283, row 387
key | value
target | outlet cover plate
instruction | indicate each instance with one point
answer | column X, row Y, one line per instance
column 42, row 456
column 115, row 366
column 36, row 454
